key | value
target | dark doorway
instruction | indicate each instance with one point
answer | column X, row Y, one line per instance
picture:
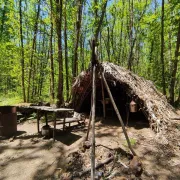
column 122, row 100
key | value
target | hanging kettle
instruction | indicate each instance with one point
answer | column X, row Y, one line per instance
column 133, row 106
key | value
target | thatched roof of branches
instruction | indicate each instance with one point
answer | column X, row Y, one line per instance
column 153, row 104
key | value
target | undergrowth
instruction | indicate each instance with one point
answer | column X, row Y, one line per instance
column 9, row 100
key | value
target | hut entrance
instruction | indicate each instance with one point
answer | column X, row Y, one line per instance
column 122, row 100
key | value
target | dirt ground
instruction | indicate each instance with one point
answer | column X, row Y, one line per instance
column 30, row 156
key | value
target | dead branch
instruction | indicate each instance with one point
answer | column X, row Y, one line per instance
column 97, row 166
column 118, row 115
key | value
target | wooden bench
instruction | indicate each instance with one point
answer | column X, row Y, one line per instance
column 69, row 121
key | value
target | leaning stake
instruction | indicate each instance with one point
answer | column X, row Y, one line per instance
column 93, row 124
column 118, row 115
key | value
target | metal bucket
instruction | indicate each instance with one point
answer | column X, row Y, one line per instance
column 46, row 130
column 8, row 121
column 133, row 106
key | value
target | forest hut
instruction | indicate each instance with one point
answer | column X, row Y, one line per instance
column 124, row 86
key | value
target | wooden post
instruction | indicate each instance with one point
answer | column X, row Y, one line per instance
column 89, row 125
column 54, row 130
column 103, row 100
column 38, row 118
column 64, row 121
column 118, row 115
column 127, row 114
column 46, row 118
column 93, row 124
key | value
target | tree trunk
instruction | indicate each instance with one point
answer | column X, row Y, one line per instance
column 66, row 54
column 131, row 41
column 162, row 49
column 78, row 28
column 93, row 124
column 120, row 43
column 3, row 19
column 51, row 54
column 113, row 40
column 22, row 51
column 150, row 59
column 108, row 44
column 99, row 24
column 33, row 49
column 82, row 42
column 175, row 65
column 59, row 5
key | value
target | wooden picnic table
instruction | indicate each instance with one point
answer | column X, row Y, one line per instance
column 46, row 109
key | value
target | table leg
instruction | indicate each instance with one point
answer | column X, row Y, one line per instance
column 64, row 121
column 46, row 118
column 38, row 118
column 54, row 130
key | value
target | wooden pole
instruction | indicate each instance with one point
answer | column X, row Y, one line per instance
column 38, row 118
column 103, row 100
column 93, row 124
column 89, row 126
column 46, row 118
column 54, row 130
column 118, row 115
column 127, row 114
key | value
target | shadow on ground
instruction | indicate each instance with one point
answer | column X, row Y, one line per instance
column 67, row 138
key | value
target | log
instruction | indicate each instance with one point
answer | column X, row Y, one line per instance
column 93, row 124
column 97, row 166
column 118, row 115
column 175, row 118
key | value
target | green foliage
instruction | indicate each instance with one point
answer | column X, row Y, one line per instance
column 132, row 141
column 117, row 35
column 10, row 99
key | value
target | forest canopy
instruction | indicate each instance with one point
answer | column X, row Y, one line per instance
column 45, row 44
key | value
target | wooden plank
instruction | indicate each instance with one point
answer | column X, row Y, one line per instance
column 50, row 109
column 69, row 120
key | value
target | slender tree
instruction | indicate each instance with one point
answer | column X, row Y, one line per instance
column 162, row 49
column 51, row 53
column 59, row 8
column 175, row 65
column 66, row 51
column 3, row 18
column 22, row 50
column 77, row 38
column 33, row 49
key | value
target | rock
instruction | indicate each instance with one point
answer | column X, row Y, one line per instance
column 86, row 144
column 136, row 166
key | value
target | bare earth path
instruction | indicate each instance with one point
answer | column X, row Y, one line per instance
column 29, row 156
